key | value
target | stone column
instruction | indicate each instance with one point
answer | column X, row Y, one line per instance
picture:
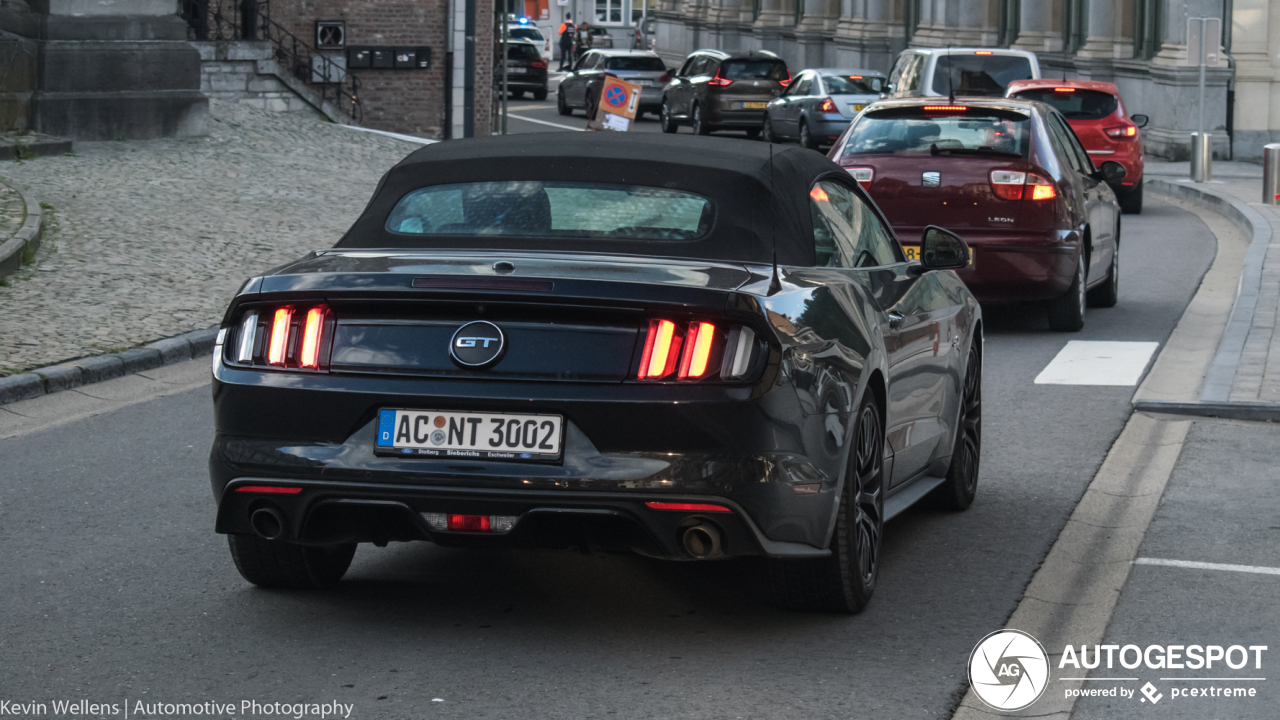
column 863, row 32
column 114, row 69
column 1037, row 32
column 958, row 23
column 1255, row 40
column 1101, row 39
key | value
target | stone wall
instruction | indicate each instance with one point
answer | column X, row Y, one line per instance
column 230, row 71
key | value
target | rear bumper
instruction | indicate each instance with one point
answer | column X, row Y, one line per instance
column 1010, row 267
column 826, row 127
column 738, row 119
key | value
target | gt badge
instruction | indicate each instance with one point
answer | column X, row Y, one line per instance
column 477, row 345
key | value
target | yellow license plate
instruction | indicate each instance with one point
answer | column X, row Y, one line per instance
column 754, row 105
column 858, row 108
column 913, row 253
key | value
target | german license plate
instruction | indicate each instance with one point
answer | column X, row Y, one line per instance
column 449, row 434
column 754, row 105
column 517, row 70
column 857, row 108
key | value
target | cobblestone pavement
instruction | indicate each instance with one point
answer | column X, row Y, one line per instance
column 151, row 238
column 13, row 212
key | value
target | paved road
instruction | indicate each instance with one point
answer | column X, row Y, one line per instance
column 116, row 587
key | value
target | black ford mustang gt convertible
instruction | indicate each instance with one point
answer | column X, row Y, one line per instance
column 687, row 347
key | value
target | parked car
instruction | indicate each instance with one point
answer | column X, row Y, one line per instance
column 621, row 340
column 921, row 72
column 819, row 104
column 527, row 31
column 1097, row 114
column 1013, row 179
column 715, row 90
column 580, row 89
column 526, row 70
column 600, row 38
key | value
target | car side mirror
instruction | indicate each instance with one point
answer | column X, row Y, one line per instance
column 1112, row 172
column 1140, row 120
column 942, row 250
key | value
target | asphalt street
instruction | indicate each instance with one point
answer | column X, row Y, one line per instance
column 117, row 588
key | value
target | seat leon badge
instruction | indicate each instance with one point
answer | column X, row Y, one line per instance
column 477, row 344
column 931, row 179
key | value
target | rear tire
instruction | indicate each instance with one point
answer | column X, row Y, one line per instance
column 700, row 126
column 1066, row 313
column 664, row 118
column 961, row 486
column 806, row 137
column 281, row 565
column 1131, row 203
column 844, row 581
column 540, row 94
column 753, row 133
column 766, row 132
column 561, row 105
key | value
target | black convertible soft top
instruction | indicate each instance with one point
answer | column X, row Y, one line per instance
column 733, row 174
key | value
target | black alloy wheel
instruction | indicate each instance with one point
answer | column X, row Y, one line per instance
column 806, row 137
column 961, row 485
column 766, row 133
column 664, row 117
column 699, row 123
column 844, row 581
column 282, row 565
column 561, row 105
column 1066, row 313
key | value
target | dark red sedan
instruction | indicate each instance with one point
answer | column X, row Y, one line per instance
column 1009, row 176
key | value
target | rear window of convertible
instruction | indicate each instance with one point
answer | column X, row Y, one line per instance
column 536, row 209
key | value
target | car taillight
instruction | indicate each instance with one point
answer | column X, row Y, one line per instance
column 666, row 77
column 538, row 64
column 696, row 350
column 1124, row 131
column 289, row 337
column 785, row 83
column 1064, row 90
column 864, row 176
column 719, row 80
column 1009, row 185
column 828, row 106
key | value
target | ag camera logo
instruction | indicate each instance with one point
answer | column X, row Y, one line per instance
column 1009, row 670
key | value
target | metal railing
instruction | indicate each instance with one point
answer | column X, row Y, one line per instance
column 226, row 20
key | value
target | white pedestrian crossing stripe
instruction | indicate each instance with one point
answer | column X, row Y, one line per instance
column 1098, row 362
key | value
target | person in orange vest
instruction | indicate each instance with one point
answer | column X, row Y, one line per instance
column 567, row 30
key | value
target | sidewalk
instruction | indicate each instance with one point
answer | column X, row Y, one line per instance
column 1247, row 366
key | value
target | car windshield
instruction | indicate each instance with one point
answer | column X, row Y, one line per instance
column 978, row 74
column 535, row 209
column 918, row 132
column 625, row 62
column 754, row 70
column 852, row 84
column 524, row 33
column 1074, row 103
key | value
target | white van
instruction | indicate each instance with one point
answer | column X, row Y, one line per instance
column 973, row 71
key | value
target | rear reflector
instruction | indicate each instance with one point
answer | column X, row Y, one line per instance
column 269, row 489
column 279, row 335
column 311, row 338
column 441, row 522
column 687, row 507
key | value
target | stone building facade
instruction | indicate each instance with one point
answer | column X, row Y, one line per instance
column 1140, row 45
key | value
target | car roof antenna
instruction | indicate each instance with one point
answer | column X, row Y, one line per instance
column 775, row 283
column 951, row 89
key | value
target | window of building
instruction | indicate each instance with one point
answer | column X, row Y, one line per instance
column 609, row 11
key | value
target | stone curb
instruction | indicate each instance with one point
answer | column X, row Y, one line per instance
column 1217, row 382
column 27, row 237
column 86, row 371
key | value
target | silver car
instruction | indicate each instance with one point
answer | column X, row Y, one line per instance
column 820, row 103
column 642, row 67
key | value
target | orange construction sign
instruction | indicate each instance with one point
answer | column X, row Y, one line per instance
column 619, row 100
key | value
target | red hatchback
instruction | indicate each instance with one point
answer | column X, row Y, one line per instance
column 1012, row 179
column 1097, row 115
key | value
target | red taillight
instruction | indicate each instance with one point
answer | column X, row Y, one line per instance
column 983, row 52
column 538, row 64
column 1124, row 131
column 1039, row 188
column 311, row 333
column 469, row 523
column 279, row 335
column 269, row 489
column 666, row 77
column 945, row 109
column 828, row 106
column 785, row 83
column 719, row 80
column 696, row 358
column 687, row 507
column 864, row 176
column 1007, row 185
column 661, row 348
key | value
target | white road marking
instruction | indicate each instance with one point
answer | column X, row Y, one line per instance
column 1255, row 569
column 544, row 122
column 398, row 136
column 1098, row 362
